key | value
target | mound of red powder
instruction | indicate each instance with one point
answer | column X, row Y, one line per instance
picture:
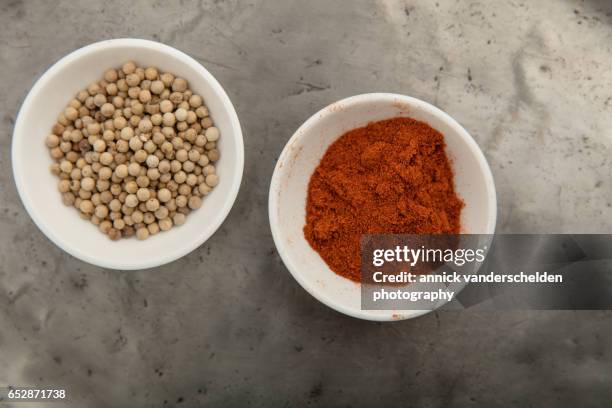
column 389, row 177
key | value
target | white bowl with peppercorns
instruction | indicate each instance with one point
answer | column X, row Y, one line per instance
column 127, row 154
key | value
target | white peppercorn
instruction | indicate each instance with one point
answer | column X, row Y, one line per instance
column 181, row 201
column 105, row 226
column 164, row 195
column 119, row 224
column 134, row 169
column 156, row 119
column 102, row 185
column 161, row 213
column 168, row 119
column 212, row 134
column 132, row 80
column 121, row 171
column 144, row 96
column 213, row 155
column 140, row 156
column 142, row 233
column 106, row 197
column 165, row 224
column 212, row 180
column 184, row 190
column 194, row 155
column 106, row 158
column 153, row 228
column 131, row 187
column 152, row 161
column 119, row 123
column 128, row 67
column 201, row 112
column 86, row 206
column 52, row 141
column 179, row 85
column 137, row 216
column 179, row 219
column 145, row 125
column 114, row 234
column 195, row 202
column 87, row 171
column 150, row 147
column 151, row 73
column 64, row 186
column 114, row 205
column 148, row 217
column 101, row 211
column 157, row 87
column 88, row 184
column 131, row 200
column 189, row 166
column 143, row 194
column 144, row 181
column 127, row 133
column 99, row 145
column 135, row 143
column 111, row 89
column 191, row 180
column 152, row 204
column 108, row 109
column 110, row 75
column 115, row 189
column 99, row 99
column 182, row 155
column 207, row 122
column 167, row 79
column 166, row 106
column 180, row 177
column 195, row 101
column 180, row 114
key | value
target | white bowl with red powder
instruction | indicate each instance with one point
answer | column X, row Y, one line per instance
column 302, row 154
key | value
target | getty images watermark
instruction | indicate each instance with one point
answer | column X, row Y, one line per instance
column 516, row 271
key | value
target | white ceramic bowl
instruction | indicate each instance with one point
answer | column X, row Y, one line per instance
column 303, row 152
column 38, row 187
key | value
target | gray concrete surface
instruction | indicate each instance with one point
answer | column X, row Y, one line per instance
column 227, row 325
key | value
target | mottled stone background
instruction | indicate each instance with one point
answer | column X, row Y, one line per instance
column 227, row 325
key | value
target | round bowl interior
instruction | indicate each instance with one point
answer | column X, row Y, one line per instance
column 303, row 152
column 38, row 187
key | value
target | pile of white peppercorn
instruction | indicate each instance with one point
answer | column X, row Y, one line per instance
column 135, row 152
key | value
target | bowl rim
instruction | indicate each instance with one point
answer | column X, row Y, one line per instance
column 155, row 259
column 373, row 315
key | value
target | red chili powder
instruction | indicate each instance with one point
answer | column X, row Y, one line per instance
column 390, row 177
